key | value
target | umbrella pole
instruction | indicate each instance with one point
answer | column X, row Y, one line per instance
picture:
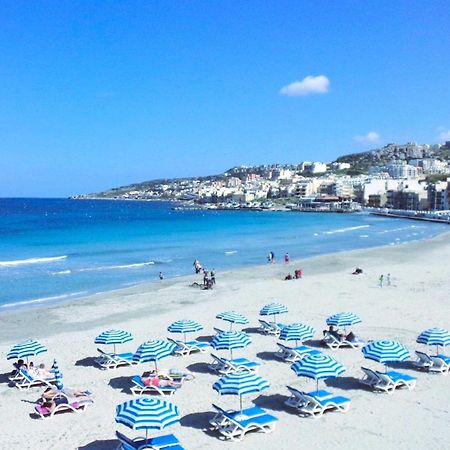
column 146, row 435
column 184, row 337
column 240, row 403
column 231, row 353
column 156, row 367
column 231, row 325
column 114, row 345
column 317, row 384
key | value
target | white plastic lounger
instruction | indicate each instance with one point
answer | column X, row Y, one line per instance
column 27, row 381
column 294, row 354
column 399, row 379
column 334, row 343
column 270, row 328
column 434, row 364
column 166, row 442
column 76, row 407
column 316, row 406
column 186, row 348
column 222, row 417
column 370, row 378
column 236, row 428
column 227, row 366
column 140, row 388
column 108, row 361
column 298, row 399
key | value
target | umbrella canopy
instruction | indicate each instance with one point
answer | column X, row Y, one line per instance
column 386, row 351
column 230, row 340
column 232, row 317
column 272, row 309
column 147, row 414
column 241, row 383
column 297, row 332
column 318, row 367
column 153, row 351
column 184, row 326
column 58, row 374
column 26, row 349
column 434, row 336
column 113, row 337
column 343, row 319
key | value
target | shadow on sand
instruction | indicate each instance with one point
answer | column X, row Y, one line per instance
column 274, row 402
column 121, row 384
column 200, row 367
column 104, row 444
column 199, row 421
column 347, row 384
column 89, row 361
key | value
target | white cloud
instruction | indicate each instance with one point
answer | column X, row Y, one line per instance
column 444, row 135
column 309, row 85
column 370, row 138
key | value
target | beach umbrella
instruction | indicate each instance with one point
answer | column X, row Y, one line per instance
column 318, row 367
column 343, row 319
column 297, row 332
column 184, row 326
column 241, row 383
column 153, row 351
column 230, row 340
column 58, row 374
column 114, row 337
column 147, row 414
column 232, row 317
column 272, row 309
column 434, row 336
column 385, row 351
column 26, row 349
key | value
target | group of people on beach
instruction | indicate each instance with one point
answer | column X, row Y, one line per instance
column 271, row 258
column 298, row 273
column 332, row 331
column 209, row 276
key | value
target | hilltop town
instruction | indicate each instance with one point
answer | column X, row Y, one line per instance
column 401, row 177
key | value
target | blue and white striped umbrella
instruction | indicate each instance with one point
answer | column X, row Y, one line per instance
column 184, row 326
column 318, row 367
column 272, row 309
column 58, row 374
column 153, row 351
column 147, row 414
column 26, row 349
column 297, row 332
column 343, row 319
column 230, row 340
column 114, row 337
column 241, row 383
column 434, row 336
column 232, row 317
column 385, row 351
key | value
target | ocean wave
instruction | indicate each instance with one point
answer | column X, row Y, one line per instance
column 231, row 252
column 364, row 236
column 124, row 266
column 42, row 300
column 62, row 272
column 344, row 230
column 19, row 262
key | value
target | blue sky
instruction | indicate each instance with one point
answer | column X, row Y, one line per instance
column 97, row 94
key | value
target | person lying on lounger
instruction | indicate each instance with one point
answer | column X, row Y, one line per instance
column 159, row 382
column 77, row 394
column 169, row 374
column 41, row 372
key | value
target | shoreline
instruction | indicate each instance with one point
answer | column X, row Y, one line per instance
column 133, row 293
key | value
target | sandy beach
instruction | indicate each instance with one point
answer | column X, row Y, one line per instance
column 418, row 298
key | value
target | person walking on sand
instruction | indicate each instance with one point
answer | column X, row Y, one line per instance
column 272, row 257
column 380, row 280
column 388, row 279
column 286, row 258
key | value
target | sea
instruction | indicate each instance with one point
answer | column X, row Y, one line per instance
column 58, row 250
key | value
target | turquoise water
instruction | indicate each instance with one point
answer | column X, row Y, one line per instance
column 52, row 250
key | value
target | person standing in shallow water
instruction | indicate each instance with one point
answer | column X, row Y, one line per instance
column 286, row 258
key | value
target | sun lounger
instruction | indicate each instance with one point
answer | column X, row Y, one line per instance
column 236, row 427
column 227, row 366
column 298, row 398
column 140, row 388
column 294, row 354
column 186, row 348
column 45, row 413
column 391, row 380
column 166, row 442
column 108, row 361
column 271, row 328
column 332, row 342
column 28, row 380
column 370, row 378
column 316, row 403
column 222, row 417
column 434, row 364
column 218, row 330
